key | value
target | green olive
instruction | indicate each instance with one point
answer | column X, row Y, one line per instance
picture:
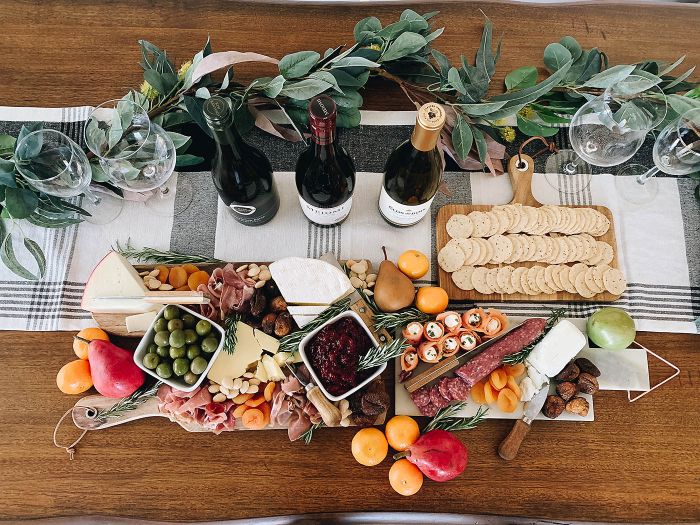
column 198, row 365
column 177, row 351
column 190, row 336
column 161, row 324
column 203, row 328
column 164, row 370
column 181, row 366
column 189, row 320
column 210, row 344
column 193, row 351
column 175, row 324
column 161, row 338
column 151, row 360
column 152, row 348
column 190, row 378
column 163, row 351
column 171, row 312
column 177, row 338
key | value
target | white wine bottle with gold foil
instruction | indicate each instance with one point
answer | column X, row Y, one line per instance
column 413, row 171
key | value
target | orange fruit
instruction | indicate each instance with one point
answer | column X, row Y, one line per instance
column 369, row 447
column 401, row 432
column 413, row 263
column 431, row 299
column 74, row 377
column 81, row 347
column 405, row 477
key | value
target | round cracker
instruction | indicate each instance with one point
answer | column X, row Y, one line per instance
column 590, row 281
column 532, row 217
column 503, row 219
column 553, row 216
column 465, row 245
column 502, row 248
column 589, row 245
column 516, row 279
column 517, row 251
column 508, row 209
column 540, row 248
column 451, row 257
column 541, row 281
column 463, row 278
column 550, row 253
column 543, row 222
column 549, row 279
column 563, row 250
column 503, row 276
column 614, row 281
column 598, row 272
column 575, row 270
column 565, row 219
column 565, row 281
column 523, row 219
column 590, row 221
column 525, row 283
column 578, row 250
column 486, row 252
column 532, row 279
column 529, row 242
column 606, row 253
column 556, row 272
column 481, row 222
column 474, row 253
column 494, row 224
column 479, row 280
column 491, row 280
column 459, row 226
column 581, row 288
column 602, row 225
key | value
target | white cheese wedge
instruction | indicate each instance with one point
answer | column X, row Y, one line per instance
column 527, row 389
column 274, row 372
column 140, row 322
column 250, row 345
column 309, row 281
column 114, row 277
column 283, row 357
column 561, row 344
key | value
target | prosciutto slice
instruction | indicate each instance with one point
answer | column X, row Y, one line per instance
column 196, row 407
column 228, row 291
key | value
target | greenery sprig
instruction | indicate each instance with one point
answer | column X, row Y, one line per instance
column 129, row 403
column 290, row 343
column 231, row 333
column 307, row 436
column 378, row 355
column 554, row 317
column 446, row 418
column 147, row 254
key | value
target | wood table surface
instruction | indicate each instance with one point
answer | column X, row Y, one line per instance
column 636, row 462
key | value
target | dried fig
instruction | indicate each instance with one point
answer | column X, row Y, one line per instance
column 569, row 373
column 268, row 323
column 587, row 383
column 566, row 390
column 257, row 304
column 278, row 304
column 283, row 324
column 586, row 366
column 553, row 407
column 579, row 406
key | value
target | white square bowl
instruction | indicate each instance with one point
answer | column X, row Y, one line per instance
column 307, row 360
column 175, row 382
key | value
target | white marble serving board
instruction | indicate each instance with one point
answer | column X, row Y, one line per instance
column 619, row 370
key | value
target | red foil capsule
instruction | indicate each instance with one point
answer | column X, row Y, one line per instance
column 322, row 115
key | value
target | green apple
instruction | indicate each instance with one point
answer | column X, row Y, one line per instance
column 611, row 328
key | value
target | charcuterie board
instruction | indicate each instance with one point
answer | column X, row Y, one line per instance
column 522, row 195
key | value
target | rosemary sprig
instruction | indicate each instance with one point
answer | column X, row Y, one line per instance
column 309, row 434
column 378, row 355
column 126, row 404
column 554, row 317
column 147, row 254
column 231, row 333
column 446, row 419
column 290, row 343
column 398, row 319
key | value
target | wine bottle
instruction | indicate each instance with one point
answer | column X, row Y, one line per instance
column 325, row 173
column 242, row 173
column 413, row 171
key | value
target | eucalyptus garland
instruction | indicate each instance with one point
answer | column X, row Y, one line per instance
column 401, row 52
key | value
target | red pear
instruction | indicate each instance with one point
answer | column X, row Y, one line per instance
column 438, row 454
column 114, row 372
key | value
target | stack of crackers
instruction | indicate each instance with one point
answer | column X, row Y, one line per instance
column 514, row 233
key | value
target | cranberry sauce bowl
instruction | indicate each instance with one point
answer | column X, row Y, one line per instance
column 332, row 352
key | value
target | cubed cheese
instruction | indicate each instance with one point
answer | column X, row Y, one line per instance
column 557, row 348
column 309, row 281
column 140, row 322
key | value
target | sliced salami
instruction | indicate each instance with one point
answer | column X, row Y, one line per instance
column 458, row 389
column 421, row 397
column 437, row 399
column 444, row 389
column 428, row 410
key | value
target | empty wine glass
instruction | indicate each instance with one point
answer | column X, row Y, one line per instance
column 135, row 153
column 676, row 152
column 607, row 131
column 54, row 164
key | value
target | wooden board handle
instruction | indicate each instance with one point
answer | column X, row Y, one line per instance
column 511, row 444
column 86, row 409
column 521, row 179
column 329, row 412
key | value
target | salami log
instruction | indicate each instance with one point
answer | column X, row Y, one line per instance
column 490, row 359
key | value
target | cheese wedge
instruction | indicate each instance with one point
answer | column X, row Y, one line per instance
column 250, row 345
column 561, row 344
column 140, row 322
column 309, row 281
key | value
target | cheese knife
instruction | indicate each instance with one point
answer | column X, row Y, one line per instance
column 329, row 412
column 161, row 297
column 509, row 447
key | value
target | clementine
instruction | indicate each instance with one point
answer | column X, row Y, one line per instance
column 74, row 377
column 431, row 299
column 81, row 347
column 405, row 478
column 401, row 432
column 369, row 447
column 413, row 264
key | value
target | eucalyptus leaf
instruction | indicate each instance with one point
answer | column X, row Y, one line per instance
column 7, row 144
column 681, row 104
column 555, row 56
column 35, row 251
column 7, row 167
column 156, row 81
column 610, row 76
column 28, row 146
column 42, row 221
column 442, row 62
column 298, row 64
column 405, row 44
column 345, row 79
column 178, row 139
column 274, row 87
column 354, row 62
column 202, row 93
column 194, row 108
column 481, row 109
column 173, row 119
column 431, row 14
column 393, row 30
column 8, row 257
column 20, row 202
column 188, row 160
column 592, row 66
column 481, row 146
column 369, row 24
column 7, row 179
column 485, row 60
column 570, row 43
column 227, row 79
column 533, row 129
column 552, row 118
column 348, row 99
column 348, row 117
column 527, row 95
column 432, row 36
column 671, row 67
column 520, row 78
column 305, row 89
column 679, row 79
column 326, row 76
column 416, row 22
column 98, row 174
column 462, row 138
column 456, row 81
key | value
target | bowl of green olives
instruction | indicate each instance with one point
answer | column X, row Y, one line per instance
column 179, row 347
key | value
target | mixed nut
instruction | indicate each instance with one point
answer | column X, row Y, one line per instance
column 231, row 388
column 260, row 274
column 361, row 276
column 150, row 279
column 578, row 376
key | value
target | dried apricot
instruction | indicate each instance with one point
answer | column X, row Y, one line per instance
column 163, row 273
column 177, row 277
column 490, row 393
column 478, row 394
column 269, row 391
column 239, row 410
column 515, row 370
column 190, row 268
column 197, row 278
column 507, row 400
column 253, row 419
column 241, row 398
column 183, row 289
column 255, row 400
column 513, row 386
column 266, row 409
column 498, row 379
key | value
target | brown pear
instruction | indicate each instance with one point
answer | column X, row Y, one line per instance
column 393, row 290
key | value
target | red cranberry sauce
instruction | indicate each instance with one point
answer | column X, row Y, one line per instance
column 335, row 352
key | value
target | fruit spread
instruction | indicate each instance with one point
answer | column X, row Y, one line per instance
column 335, row 352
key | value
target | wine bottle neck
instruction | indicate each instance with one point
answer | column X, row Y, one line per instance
column 324, row 151
column 229, row 138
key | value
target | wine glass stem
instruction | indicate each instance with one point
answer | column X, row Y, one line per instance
column 570, row 167
column 92, row 196
column 644, row 177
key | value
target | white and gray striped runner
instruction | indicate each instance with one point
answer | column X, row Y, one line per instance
column 658, row 245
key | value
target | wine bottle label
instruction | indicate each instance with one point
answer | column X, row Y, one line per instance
column 325, row 216
column 402, row 214
column 265, row 209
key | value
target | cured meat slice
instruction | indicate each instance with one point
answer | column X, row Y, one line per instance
column 444, row 389
column 458, row 389
column 437, row 399
column 421, row 397
column 490, row 359
column 428, row 410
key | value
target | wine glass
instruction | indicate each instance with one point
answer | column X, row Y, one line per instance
column 607, row 131
column 135, row 153
column 676, row 152
column 52, row 163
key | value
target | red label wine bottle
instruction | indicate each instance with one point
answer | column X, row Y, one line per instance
column 325, row 173
column 242, row 173
column 413, row 171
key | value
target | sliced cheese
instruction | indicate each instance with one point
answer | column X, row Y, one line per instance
column 250, row 345
column 140, row 322
column 114, row 277
column 261, row 373
column 309, row 281
column 303, row 315
column 561, row 344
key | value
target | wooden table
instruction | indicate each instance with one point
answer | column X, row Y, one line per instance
column 637, row 462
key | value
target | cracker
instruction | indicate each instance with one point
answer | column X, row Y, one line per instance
column 565, row 219
column 578, row 250
column 614, row 281
column 550, row 249
column 563, row 250
column 590, row 221
column 463, row 278
column 541, row 282
column 479, row 280
column 474, row 253
column 508, row 209
column 549, row 279
column 575, row 270
column 486, row 251
column 581, row 288
column 519, row 227
column 491, row 280
column 598, row 272
column 481, row 222
column 589, row 245
column 532, row 217
column 554, row 216
column 503, row 279
column 543, row 224
column 525, row 283
column 590, row 281
column 516, row 279
column 503, row 219
column 532, row 279
column 564, row 278
column 556, row 272
column 494, row 224
column 531, row 248
column 451, row 257
column 606, row 250
column 502, row 248
column 602, row 226
column 517, row 251
column 540, row 248
column 459, row 226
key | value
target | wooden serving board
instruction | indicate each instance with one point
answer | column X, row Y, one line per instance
column 522, row 194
